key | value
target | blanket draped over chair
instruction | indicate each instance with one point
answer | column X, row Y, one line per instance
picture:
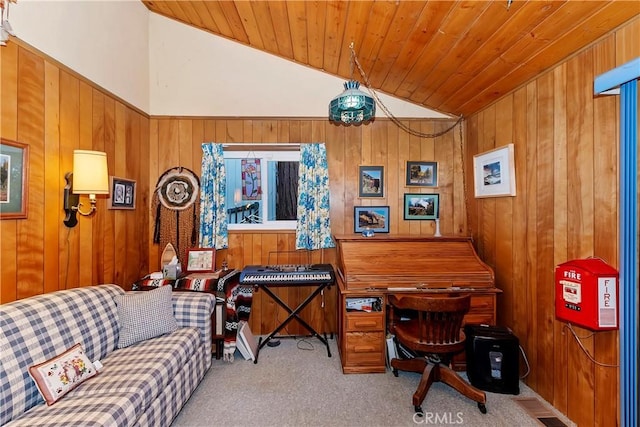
column 238, row 299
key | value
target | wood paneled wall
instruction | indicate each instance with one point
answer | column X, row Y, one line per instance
column 566, row 207
column 177, row 142
column 55, row 111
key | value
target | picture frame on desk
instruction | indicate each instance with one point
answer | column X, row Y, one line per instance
column 201, row 260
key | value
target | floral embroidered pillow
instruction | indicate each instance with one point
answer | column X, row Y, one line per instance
column 61, row 374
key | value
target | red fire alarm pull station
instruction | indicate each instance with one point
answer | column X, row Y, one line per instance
column 587, row 294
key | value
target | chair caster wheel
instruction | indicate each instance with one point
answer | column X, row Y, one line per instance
column 395, row 373
column 419, row 411
column 482, row 408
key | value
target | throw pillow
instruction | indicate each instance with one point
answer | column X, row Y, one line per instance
column 145, row 315
column 61, row 374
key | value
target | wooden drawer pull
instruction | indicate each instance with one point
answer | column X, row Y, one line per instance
column 365, row 323
column 363, row 349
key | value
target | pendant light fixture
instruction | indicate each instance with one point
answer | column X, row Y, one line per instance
column 352, row 106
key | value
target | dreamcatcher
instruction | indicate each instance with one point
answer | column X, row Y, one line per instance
column 176, row 200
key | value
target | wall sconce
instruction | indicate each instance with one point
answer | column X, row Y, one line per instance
column 90, row 176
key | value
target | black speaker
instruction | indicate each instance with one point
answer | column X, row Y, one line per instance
column 493, row 355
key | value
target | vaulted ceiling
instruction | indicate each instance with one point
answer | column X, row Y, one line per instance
column 455, row 57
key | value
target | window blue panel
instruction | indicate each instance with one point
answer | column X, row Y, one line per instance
column 629, row 253
column 616, row 77
column 626, row 77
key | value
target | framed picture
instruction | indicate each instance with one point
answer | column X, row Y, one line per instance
column 421, row 206
column 494, row 173
column 422, row 174
column 251, row 179
column 374, row 218
column 202, row 260
column 371, row 181
column 14, row 179
column 123, row 193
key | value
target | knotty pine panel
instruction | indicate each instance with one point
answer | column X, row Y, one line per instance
column 30, row 256
column 566, row 206
column 55, row 111
column 84, row 123
column 52, row 200
column 580, row 206
column 606, row 199
column 560, row 227
column 544, row 308
column 9, row 130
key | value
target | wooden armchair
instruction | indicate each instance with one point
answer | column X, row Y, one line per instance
column 434, row 333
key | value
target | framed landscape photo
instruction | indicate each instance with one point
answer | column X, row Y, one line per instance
column 123, row 193
column 371, row 181
column 494, row 173
column 14, row 178
column 422, row 174
column 421, row 206
column 201, row 260
column 374, row 218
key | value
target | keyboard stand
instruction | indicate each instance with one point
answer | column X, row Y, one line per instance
column 293, row 313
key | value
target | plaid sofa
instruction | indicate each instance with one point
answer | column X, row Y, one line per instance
column 145, row 384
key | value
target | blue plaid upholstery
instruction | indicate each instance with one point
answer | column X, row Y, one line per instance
column 144, row 384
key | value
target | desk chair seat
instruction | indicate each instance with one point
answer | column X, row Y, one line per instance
column 434, row 333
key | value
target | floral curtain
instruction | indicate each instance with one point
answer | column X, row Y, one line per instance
column 313, row 229
column 213, row 188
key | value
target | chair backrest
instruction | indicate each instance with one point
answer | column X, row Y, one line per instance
column 437, row 326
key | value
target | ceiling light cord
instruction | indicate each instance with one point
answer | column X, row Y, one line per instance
column 387, row 112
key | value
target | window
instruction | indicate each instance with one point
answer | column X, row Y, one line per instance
column 262, row 186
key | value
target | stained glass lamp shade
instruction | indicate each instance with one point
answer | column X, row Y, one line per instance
column 352, row 106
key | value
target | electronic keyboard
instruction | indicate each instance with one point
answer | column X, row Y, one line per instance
column 297, row 274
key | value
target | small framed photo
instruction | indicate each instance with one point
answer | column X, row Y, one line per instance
column 374, row 218
column 123, row 193
column 494, row 173
column 371, row 181
column 14, row 179
column 201, row 260
column 421, row 206
column 422, row 174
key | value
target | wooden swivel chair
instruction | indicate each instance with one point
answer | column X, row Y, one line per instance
column 434, row 333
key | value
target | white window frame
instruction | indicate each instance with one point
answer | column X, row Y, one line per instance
column 264, row 152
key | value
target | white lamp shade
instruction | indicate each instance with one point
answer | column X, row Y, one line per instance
column 90, row 175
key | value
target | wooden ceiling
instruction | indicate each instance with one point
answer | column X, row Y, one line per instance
column 455, row 57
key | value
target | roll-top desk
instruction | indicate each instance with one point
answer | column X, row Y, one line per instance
column 370, row 268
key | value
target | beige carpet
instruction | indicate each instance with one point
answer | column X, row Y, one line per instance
column 296, row 384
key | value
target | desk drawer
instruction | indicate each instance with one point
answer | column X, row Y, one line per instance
column 364, row 348
column 482, row 303
column 365, row 322
column 485, row 318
